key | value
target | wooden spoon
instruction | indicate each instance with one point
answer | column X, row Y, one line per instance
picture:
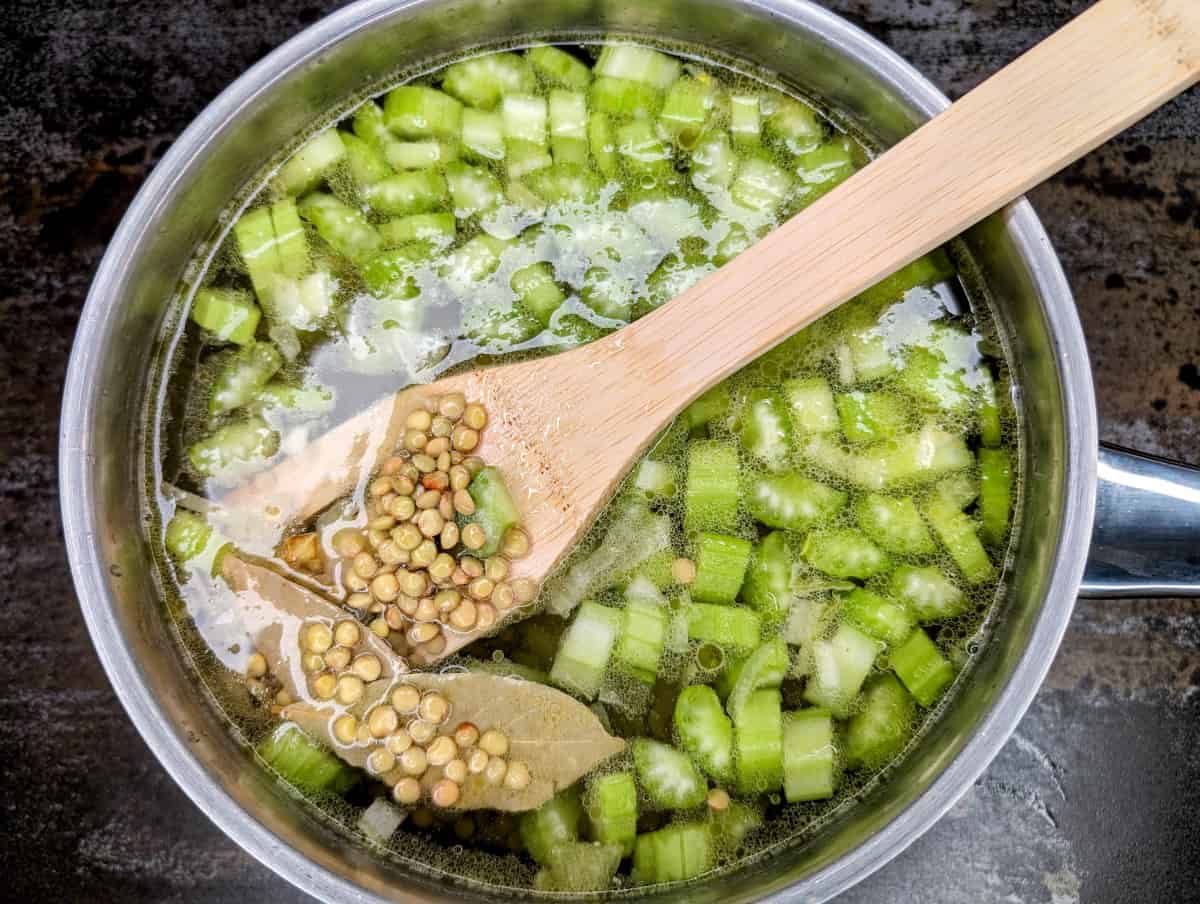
column 565, row 429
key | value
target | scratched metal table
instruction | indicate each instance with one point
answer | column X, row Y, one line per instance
column 1095, row 798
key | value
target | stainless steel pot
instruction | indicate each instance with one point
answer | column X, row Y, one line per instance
column 1147, row 510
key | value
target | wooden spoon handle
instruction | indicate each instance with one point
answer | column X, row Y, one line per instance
column 1106, row 69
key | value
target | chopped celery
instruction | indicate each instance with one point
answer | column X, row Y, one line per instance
column 602, row 145
column 909, row 458
column 727, row 626
column 840, row 666
column 552, row 825
column 414, row 191
column 668, row 776
column 241, row 375
column 612, row 809
column 820, row 170
column 438, row 229
column 346, row 230
column 930, row 594
column 644, row 623
column 879, row 731
column 758, row 734
column 760, row 185
column 811, row 401
column 303, row 762
column 933, row 268
column 241, row 442
column 920, row 665
column 481, row 81
column 711, row 406
column 958, row 490
column 366, row 161
column 306, row 168
column 585, row 650
column 957, row 532
column 844, row 553
column 995, row 497
column 745, row 120
column 410, row 155
column 714, row 164
column 580, row 866
column 524, row 158
column 792, row 123
column 792, row 501
column 639, row 64
column 417, row 111
column 564, row 183
column 558, row 67
column 809, row 755
column 641, row 150
column 895, row 524
column 537, row 290
column 720, row 567
column 483, row 134
column 623, row 97
column 473, row 260
column 495, row 510
column 936, row 383
column 868, row 417
column 729, row 827
column 878, row 616
column 472, row 189
column 764, row 428
column 711, row 500
column 990, row 431
column 764, row 668
column 686, row 109
column 705, row 731
column 655, row 479
column 768, row 584
column 524, row 117
column 229, row 314
column 675, row 854
column 186, row 535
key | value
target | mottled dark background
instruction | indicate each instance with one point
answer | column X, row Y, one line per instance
column 1094, row 799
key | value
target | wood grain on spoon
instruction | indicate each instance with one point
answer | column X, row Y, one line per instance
column 565, row 429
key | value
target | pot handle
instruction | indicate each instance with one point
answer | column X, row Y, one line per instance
column 1146, row 537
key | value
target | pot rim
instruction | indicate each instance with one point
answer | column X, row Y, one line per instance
column 77, row 455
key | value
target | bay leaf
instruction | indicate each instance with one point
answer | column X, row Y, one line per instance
column 556, row 736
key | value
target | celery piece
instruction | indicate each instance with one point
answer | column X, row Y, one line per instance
column 764, row 668
column 758, row 737
column 241, row 442
column 428, row 154
column 391, row 273
column 306, row 168
column 844, row 553
column 936, row 384
column 764, row 428
column 878, row 616
column 868, row 417
column 580, row 866
column 564, row 182
column 438, row 229
column 760, row 185
column 990, row 431
column 552, row 825
column 709, row 407
column 639, row 64
column 732, row 627
column 366, row 161
column 705, row 731
column 686, row 109
column 745, row 120
column 241, row 374
column 920, row 665
column 643, row 638
column 957, row 533
column 524, row 117
column 229, row 314
column 675, row 854
column 879, row 731
column 720, row 567
column 933, row 268
column 302, row 762
column 668, row 776
column 472, row 189
column 995, row 497
column 895, row 524
column 290, row 241
column 523, row 158
column 418, row 111
column 537, row 290
column 571, row 330
column 345, row 229
column 712, row 490
column 256, row 243
column 623, row 98
column 809, row 755
column 585, row 650
column 655, row 479
column 822, row 169
column 840, row 666
column 612, row 808
column 791, row 501
column 909, row 458
column 714, row 164
column 812, row 404
column 483, row 134
column 495, row 510
column 482, row 81
column 186, row 535
column 558, row 67
column 768, row 584
column 474, row 260
column 602, row 145
column 793, row 123
column 414, row 191
column 928, row 593
column 958, row 490
column 641, row 150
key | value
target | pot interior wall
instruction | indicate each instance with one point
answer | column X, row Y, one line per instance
column 125, row 329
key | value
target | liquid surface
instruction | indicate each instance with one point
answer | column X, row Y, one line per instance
column 553, row 202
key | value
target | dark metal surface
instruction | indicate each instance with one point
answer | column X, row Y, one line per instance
column 1093, row 800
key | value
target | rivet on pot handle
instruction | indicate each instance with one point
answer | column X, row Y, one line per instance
column 1146, row 538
